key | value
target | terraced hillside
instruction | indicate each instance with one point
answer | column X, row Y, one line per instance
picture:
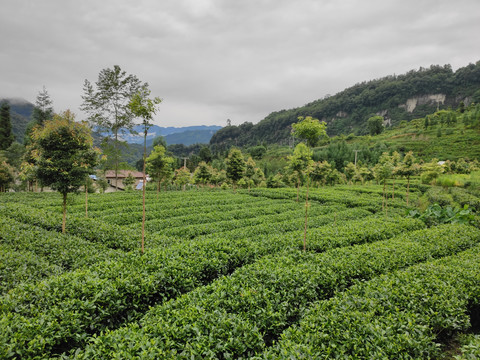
column 224, row 276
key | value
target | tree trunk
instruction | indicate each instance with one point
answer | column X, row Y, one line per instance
column 298, row 187
column 393, row 190
column 143, row 189
column 306, row 219
column 116, row 159
column 86, row 199
column 383, row 196
column 64, row 221
column 408, row 188
column 386, row 201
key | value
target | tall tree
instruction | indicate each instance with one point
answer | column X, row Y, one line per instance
column 143, row 107
column 65, row 155
column 108, row 104
column 235, row 164
column 311, row 130
column 6, row 134
column 43, row 110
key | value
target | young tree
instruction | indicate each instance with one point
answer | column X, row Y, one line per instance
column 43, row 110
column 6, row 134
column 158, row 165
column 129, row 181
column 375, row 125
column 350, row 171
column 383, row 171
column 311, row 130
column 102, row 184
column 203, row 173
column 182, row 177
column 108, row 105
column 250, row 172
column 235, row 164
column 320, row 172
column 6, row 175
column 143, row 107
column 407, row 168
column 65, row 155
column 299, row 163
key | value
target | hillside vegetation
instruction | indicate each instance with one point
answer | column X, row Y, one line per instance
column 444, row 135
column 396, row 98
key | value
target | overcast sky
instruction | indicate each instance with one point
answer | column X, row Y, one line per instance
column 213, row 60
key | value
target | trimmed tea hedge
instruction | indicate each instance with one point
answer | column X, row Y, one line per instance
column 401, row 315
column 259, row 301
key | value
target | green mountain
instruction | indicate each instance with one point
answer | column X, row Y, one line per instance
column 190, row 137
column 396, row 98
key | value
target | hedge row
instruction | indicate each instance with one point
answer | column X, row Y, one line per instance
column 61, row 312
column 161, row 218
column 167, row 200
column 329, row 195
column 21, row 266
column 282, row 228
column 210, row 215
column 470, row 349
column 287, row 221
column 405, row 315
column 93, row 230
column 238, row 316
column 463, row 197
column 44, row 253
column 359, row 231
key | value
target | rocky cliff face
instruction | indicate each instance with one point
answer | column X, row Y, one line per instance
column 432, row 99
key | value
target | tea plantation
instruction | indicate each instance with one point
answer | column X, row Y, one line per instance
column 224, row 276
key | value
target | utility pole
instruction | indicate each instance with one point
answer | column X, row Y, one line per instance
column 356, row 151
column 184, row 162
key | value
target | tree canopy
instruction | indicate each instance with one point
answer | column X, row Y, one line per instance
column 108, row 103
column 235, row 165
column 65, row 154
column 309, row 129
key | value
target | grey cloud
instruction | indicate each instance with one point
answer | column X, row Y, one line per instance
column 216, row 59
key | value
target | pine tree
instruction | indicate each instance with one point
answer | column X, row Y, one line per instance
column 6, row 135
column 235, row 165
column 43, row 109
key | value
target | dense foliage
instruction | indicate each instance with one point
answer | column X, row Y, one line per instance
column 348, row 111
column 223, row 274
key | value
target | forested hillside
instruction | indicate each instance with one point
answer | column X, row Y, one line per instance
column 396, row 98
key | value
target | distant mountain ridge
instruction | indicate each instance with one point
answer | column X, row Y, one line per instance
column 21, row 113
column 186, row 135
